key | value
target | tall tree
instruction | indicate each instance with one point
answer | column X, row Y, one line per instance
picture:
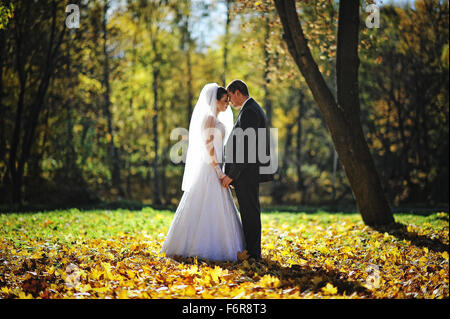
column 229, row 4
column 301, row 106
column 154, row 18
column 341, row 116
column 2, row 107
column 112, row 149
column 25, row 51
column 187, row 44
column 267, row 99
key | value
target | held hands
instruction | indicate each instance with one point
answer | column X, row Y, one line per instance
column 224, row 179
column 219, row 172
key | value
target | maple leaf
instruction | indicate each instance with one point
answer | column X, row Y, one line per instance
column 329, row 289
column 243, row 255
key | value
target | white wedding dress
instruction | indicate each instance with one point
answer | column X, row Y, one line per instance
column 206, row 223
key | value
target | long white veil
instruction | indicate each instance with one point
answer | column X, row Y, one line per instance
column 197, row 154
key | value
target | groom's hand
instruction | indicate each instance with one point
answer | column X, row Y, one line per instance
column 226, row 181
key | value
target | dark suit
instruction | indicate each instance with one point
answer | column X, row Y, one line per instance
column 246, row 176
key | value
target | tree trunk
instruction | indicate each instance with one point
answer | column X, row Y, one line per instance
column 17, row 163
column 16, row 180
column 157, row 194
column 71, row 156
column 2, row 108
column 188, row 48
column 164, row 175
column 333, row 183
column 157, row 61
column 225, row 43
column 267, row 100
column 189, row 86
column 287, row 147
column 343, row 119
column 112, row 149
column 128, row 179
column 299, row 141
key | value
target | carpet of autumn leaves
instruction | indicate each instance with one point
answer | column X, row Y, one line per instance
column 116, row 254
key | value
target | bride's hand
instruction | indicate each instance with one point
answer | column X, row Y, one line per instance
column 219, row 172
column 221, row 176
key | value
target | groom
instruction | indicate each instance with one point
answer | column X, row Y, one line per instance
column 245, row 175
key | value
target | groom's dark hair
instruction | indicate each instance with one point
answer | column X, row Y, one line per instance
column 239, row 86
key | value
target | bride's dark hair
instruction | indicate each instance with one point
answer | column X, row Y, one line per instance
column 221, row 91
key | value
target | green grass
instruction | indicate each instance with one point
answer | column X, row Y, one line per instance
column 72, row 224
column 69, row 225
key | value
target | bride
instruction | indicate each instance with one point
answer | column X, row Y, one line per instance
column 206, row 223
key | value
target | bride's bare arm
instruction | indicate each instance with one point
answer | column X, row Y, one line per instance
column 210, row 127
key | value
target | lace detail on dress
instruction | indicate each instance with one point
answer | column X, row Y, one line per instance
column 219, row 146
column 221, row 127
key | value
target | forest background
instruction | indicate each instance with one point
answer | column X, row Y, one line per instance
column 86, row 113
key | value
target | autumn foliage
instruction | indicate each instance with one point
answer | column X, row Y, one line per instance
column 116, row 254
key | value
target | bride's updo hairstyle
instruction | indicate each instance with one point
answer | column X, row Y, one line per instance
column 221, row 91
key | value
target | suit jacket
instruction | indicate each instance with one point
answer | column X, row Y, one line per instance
column 250, row 116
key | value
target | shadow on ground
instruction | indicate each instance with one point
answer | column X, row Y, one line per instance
column 307, row 279
column 400, row 231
